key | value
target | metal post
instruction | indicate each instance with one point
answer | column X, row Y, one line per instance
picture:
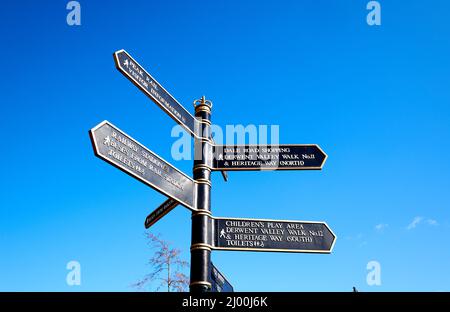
column 201, row 222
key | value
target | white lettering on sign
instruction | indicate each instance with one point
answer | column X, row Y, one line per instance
column 137, row 159
column 145, row 81
column 272, row 234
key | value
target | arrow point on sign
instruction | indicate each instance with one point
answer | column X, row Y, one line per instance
column 92, row 136
column 334, row 236
column 324, row 154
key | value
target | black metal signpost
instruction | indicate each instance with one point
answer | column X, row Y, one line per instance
column 208, row 232
column 201, row 230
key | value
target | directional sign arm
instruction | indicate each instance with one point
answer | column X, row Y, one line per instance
column 272, row 235
column 268, row 157
column 219, row 282
column 120, row 150
column 160, row 212
column 153, row 89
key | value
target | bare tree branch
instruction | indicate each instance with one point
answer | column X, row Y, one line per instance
column 167, row 266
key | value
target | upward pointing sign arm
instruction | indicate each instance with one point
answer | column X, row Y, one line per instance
column 147, row 84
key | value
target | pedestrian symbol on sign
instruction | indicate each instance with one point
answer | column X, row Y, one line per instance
column 107, row 141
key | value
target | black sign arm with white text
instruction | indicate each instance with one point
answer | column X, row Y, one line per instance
column 268, row 157
column 160, row 212
column 147, row 84
column 272, row 235
column 128, row 155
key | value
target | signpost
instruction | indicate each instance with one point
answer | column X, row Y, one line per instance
column 272, row 235
column 125, row 153
column 208, row 232
column 268, row 157
column 160, row 212
column 147, row 84
column 218, row 281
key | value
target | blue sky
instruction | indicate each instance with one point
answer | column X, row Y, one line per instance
column 376, row 99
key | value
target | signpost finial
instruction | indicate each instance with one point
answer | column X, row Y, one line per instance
column 203, row 103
